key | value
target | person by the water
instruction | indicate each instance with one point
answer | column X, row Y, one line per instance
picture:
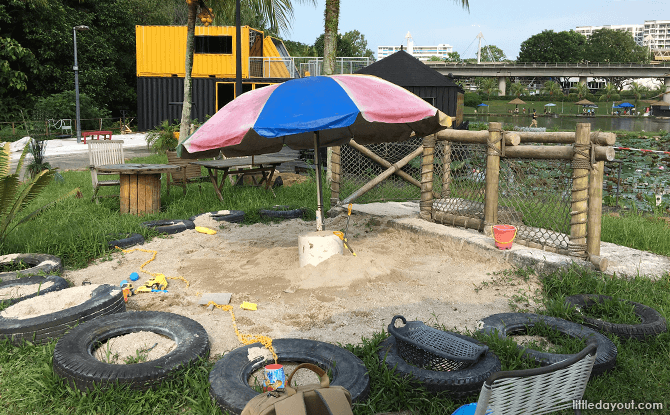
column 534, row 122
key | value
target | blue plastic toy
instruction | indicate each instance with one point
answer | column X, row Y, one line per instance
column 134, row 276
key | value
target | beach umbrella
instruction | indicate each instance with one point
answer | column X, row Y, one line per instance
column 584, row 102
column 550, row 105
column 314, row 112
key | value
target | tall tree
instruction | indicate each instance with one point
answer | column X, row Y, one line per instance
column 580, row 91
column 606, row 45
column 492, row 53
column 277, row 13
column 549, row 46
column 609, row 93
column 331, row 18
column 352, row 43
column 453, row 57
column 638, row 90
column 489, row 86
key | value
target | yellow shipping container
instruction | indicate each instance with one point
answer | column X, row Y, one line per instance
column 161, row 51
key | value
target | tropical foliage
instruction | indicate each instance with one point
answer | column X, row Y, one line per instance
column 517, row 89
column 15, row 196
column 552, row 88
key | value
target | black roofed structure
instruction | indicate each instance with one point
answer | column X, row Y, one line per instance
column 404, row 70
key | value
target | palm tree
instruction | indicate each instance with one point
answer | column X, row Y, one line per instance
column 638, row 90
column 489, row 86
column 581, row 91
column 332, row 17
column 518, row 89
column 610, row 93
column 277, row 13
column 552, row 89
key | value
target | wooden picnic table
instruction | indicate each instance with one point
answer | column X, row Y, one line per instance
column 140, row 185
column 264, row 164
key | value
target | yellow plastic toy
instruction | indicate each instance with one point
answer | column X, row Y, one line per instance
column 248, row 306
column 208, row 231
column 158, row 282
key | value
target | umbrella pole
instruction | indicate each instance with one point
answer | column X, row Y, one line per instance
column 319, row 193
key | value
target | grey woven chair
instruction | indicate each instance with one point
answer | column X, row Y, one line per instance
column 537, row 391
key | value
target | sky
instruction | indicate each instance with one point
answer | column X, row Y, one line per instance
column 503, row 24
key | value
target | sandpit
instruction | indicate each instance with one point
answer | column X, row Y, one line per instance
column 19, row 291
column 339, row 301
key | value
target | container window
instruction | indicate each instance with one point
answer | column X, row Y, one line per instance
column 214, row 44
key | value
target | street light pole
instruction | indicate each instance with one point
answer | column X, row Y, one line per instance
column 76, row 79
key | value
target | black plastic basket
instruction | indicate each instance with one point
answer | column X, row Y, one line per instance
column 433, row 349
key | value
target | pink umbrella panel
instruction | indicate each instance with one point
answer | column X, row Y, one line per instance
column 340, row 107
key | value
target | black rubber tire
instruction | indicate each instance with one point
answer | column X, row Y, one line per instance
column 652, row 324
column 58, row 283
column 235, row 216
column 455, row 384
column 73, row 356
column 229, row 378
column 105, row 299
column 514, row 323
column 125, row 240
column 281, row 212
column 169, row 226
column 41, row 263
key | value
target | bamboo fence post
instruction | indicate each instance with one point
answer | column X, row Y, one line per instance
column 446, row 169
column 593, row 227
column 335, row 176
column 493, row 153
column 426, row 204
column 581, row 164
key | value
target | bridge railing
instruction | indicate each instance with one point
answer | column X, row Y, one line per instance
column 547, row 65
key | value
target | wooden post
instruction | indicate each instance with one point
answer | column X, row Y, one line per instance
column 493, row 153
column 100, row 129
column 426, row 204
column 581, row 164
column 595, row 215
column 336, row 175
column 446, row 169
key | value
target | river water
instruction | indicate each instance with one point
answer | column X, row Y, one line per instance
column 648, row 124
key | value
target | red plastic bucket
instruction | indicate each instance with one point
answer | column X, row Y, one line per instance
column 504, row 235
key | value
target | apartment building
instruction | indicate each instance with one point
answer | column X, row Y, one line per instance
column 422, row 53
column 654, row 34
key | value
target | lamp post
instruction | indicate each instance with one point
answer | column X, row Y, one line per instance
column 76, row 79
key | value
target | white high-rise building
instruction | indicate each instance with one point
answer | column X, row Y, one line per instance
column 423, row 53
column 654, row 34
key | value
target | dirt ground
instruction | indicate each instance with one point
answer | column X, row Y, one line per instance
column 338, row 301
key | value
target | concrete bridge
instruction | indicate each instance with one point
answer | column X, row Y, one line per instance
column 502, row 70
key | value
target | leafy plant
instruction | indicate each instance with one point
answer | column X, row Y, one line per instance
column 162, row 138
column 37, row 149
column 15, row 197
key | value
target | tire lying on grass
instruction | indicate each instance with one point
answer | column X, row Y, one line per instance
column 281, row 212
column 74, row 360
column 169, row 226
column 457, row 383
column 40, row 263
column 229, row 385
column 57, row 283
column 125, row 240
column 232, row 216
column 652, row 324
column 105, row 299
column 517, row 323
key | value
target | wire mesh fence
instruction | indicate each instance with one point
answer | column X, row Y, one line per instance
column 533, row 195
column 461, row 189
column 357, row 169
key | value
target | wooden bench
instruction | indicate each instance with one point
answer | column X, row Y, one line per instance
column 106, row 135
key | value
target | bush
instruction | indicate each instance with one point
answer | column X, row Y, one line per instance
column 472, row 99
column 63, row 105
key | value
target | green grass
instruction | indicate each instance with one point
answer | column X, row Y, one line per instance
column 77, row 230
column 633, row 229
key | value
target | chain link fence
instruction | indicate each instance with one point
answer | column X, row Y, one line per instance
column 533, row 195
column 357, row 169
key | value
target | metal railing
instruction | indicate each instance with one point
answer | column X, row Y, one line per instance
column 298, row 67
column 546, row 65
